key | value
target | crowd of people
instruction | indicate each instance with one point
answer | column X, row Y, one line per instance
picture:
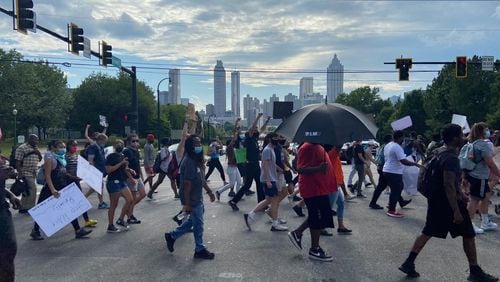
column 317, row 190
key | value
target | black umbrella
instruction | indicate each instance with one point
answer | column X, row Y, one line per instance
column 332, row 124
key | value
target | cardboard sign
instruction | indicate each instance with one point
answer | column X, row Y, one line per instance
column 402, row 123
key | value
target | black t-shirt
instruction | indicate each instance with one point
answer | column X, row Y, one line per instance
column 359, row 150
column 252, row 145
column 134, row 159
column 119, row 174
column 3, row 194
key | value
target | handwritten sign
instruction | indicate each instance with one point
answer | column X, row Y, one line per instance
column 55, row 213
column 402, row 123
column 461, row 121
column 90, row 174
column 103, row 121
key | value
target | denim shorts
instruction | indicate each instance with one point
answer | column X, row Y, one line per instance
column 115, row 186
column 270, row 192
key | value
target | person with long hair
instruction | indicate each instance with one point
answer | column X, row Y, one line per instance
column 191, row 196
column 476, row 180
column 167, row 169
column 56, row 178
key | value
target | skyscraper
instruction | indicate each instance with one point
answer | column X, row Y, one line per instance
column 174, row 88
column 219, row 89
column 163, row 97
column 334, row 79
column 306, row 87
column 235, row 93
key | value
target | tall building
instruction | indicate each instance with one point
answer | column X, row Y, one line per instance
column 163, row 97
column 219, row 89
column 235, row 93
column 174, row 88
column 292, row 98
column 334, row 79
column 185, row 101
column 306, row 87
column 209, row 110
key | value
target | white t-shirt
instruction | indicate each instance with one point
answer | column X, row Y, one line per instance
column 393, row 154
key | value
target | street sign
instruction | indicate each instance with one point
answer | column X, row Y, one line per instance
column 488, row 63
column 117, row 62
column 86, row 47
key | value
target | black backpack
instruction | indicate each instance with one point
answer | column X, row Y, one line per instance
column 12, row 157
column 429, row 176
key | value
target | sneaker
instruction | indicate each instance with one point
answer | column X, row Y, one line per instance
column 82, row 233
column 404, row 203
column 103, row 206
column 368, row 185
column 150, row 195
column 279, row 227
column 112, row 229
column 35, row 235
column 395, row 214
column 376, row 207
column 296, row 239
column 482, row 276
column 170, row 242
column 319, row 255
column 122, row 223
column 325, row 232
column 490, row 225
column 282, row 221
column 409, row 269
column 360, row 195
column 231, row 194
column 249, row 192
column 217, row 196
column 233, row 205
column 290, row 199
column 133, row 220
column 204, row 254
column 90, row 223
column 344, row 231
column 351, row 188
column 334, row 213
column 298, row 211
column 297, row 198
column 477, row 230
column 247, row 221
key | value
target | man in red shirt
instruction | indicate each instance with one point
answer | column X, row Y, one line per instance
column 316, row 181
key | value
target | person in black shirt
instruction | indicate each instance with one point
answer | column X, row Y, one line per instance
column 116, row 167
column 8, row 244
column 359, row 165
column 447, row 208
column 135, row 183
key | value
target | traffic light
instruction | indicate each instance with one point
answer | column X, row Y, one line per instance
column 461, row 67
column 404, row 66
column 76, row 38
column 106, row 54
column 25, row 17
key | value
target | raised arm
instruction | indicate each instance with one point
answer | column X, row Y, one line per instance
column 264, row 126
column 253, row 129
column 87, row 133
column 180, row 149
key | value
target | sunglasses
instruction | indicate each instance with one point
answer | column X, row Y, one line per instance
column 135, row 141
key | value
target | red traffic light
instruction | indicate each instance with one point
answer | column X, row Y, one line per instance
column 461, row 67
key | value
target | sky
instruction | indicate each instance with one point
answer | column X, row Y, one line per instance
column 282, row 38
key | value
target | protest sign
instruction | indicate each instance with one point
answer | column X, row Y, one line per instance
column 90, row 174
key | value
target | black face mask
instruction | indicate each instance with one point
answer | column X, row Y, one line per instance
column 119, row 149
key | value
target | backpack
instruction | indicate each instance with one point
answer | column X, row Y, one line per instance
column 468, row 157
column 380, row 158
column 12, row 157
column 40, row 176
column 173, row 166
column 429, row 174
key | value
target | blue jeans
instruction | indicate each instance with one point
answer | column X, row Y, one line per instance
column 195, row 221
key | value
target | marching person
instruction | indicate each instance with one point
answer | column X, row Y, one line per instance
column 27, row 158
column 149, row 160
column 447, row 212
column 97, row 158
column 191, row 193
column 135, row 183
column 232, row 166
column 214, row 162
column 168, row 163
column 56, row 178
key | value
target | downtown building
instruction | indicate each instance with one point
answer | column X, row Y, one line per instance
column 334, row 79
column 219, row 89
column 235, row 93
column 306, row 87
column 174, row 87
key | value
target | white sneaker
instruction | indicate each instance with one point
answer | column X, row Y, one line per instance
column 489, row 226
column 280, row 220
column 477, row 229
column 279, row 227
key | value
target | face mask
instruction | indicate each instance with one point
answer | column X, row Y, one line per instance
column 119, row 149
column 487, row 134
column 198, row 149
column 61, row 151
column 73, row 149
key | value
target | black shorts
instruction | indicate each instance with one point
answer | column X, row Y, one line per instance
column 319, row 212
column 439, row 221
column 478, row 187
column 288, row 176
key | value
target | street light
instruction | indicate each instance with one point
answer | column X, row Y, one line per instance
column 158, row 106
column 14, row 112
column 208, row 133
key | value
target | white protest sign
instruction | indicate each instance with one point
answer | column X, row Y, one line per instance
column 55, row 213
column 90, row 174
column 103, row 121
column 402, row 123
column 461, row 121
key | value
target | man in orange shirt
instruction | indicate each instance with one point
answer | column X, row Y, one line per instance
column 316, row 182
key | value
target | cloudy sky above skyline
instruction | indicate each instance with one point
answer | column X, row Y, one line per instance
column 264, row 35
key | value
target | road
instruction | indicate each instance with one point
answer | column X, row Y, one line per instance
column 378, row 245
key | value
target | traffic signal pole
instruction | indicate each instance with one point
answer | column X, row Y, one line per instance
column 132, row 72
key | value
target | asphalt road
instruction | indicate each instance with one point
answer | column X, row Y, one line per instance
column 378, row 245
